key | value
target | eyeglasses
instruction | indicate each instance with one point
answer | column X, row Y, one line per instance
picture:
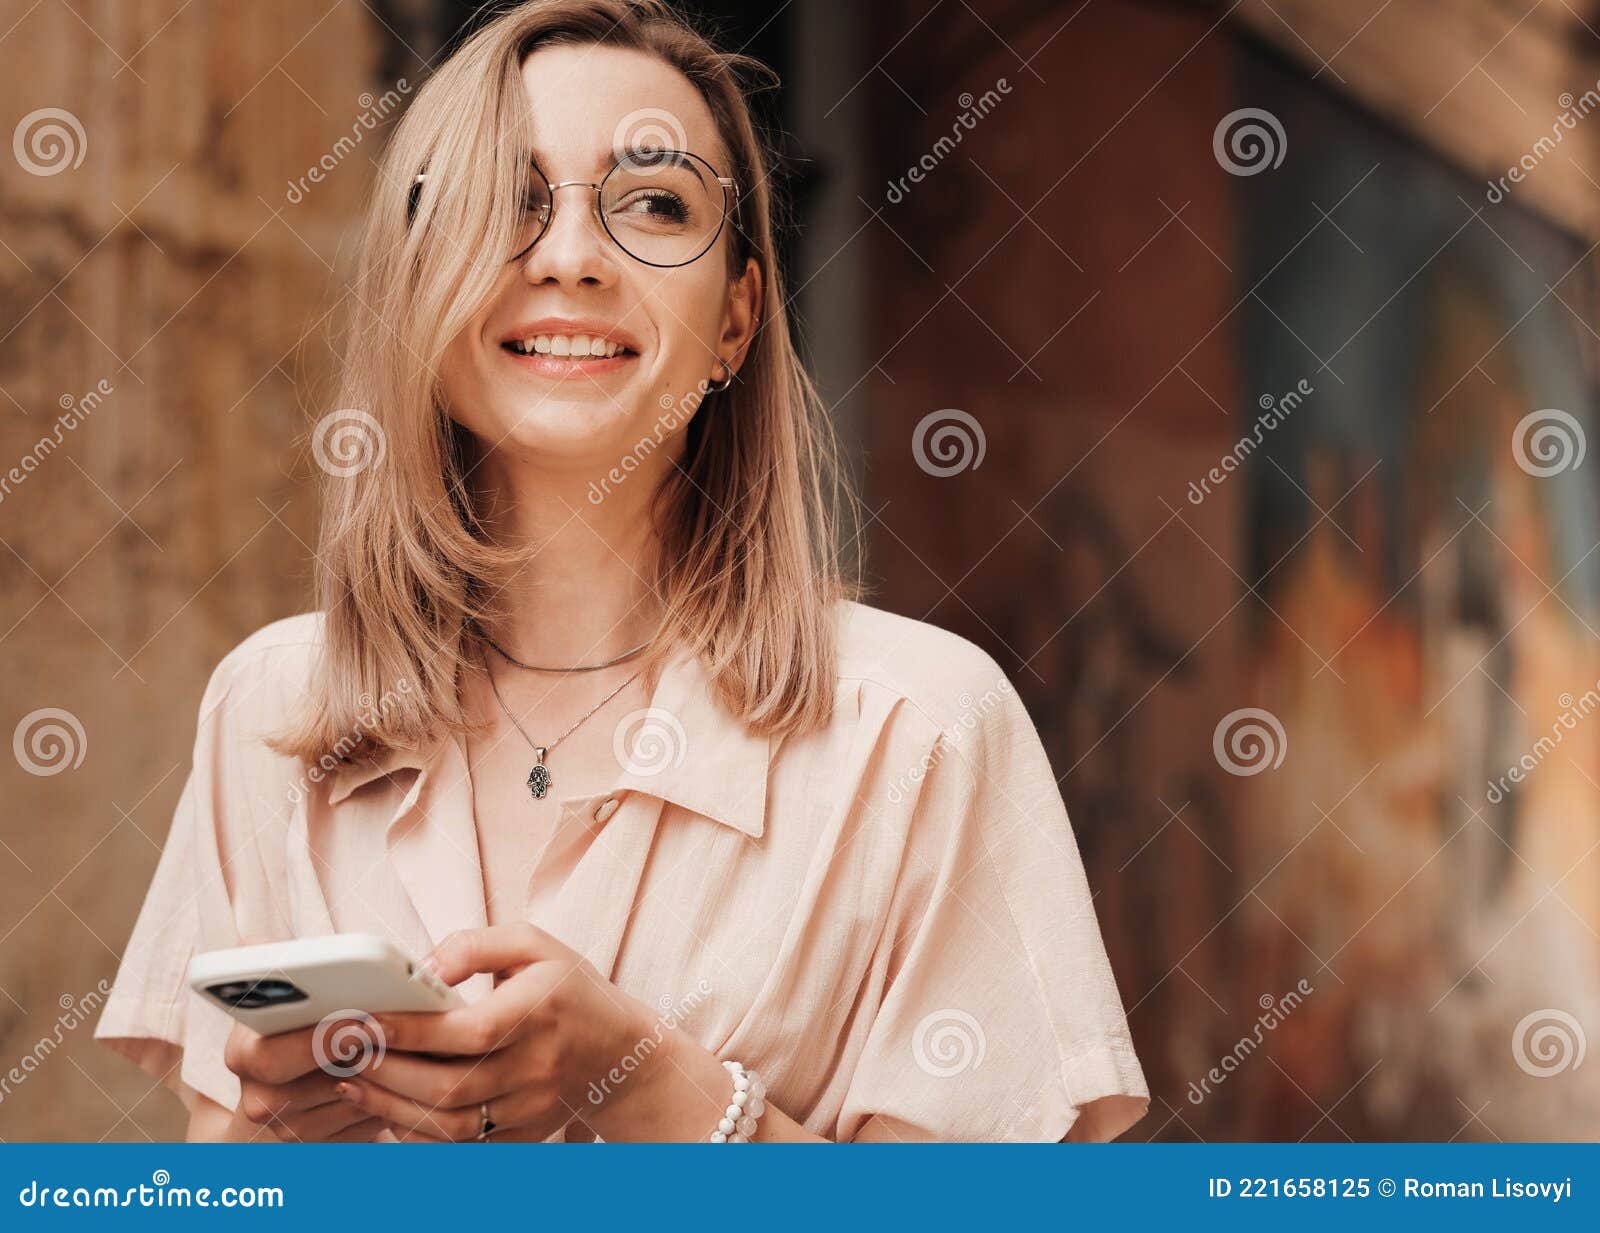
column 664, row 208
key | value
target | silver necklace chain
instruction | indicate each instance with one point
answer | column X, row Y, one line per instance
column 539, row 780
column 511, row 659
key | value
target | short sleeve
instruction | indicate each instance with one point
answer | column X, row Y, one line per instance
column 197, row 901
column 1001, row 1019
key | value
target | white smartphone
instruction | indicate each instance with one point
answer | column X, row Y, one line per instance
column 282, row 986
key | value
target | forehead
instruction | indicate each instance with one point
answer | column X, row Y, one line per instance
column 589, row 101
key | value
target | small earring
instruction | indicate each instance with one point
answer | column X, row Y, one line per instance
column 716, row 387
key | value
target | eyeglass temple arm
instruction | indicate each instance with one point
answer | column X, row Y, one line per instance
column 725, row 181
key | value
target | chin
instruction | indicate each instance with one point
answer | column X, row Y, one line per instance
column 582, row 428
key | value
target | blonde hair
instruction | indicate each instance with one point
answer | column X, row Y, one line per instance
column 749, row 574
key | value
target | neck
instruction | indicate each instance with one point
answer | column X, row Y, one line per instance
column 586, row 594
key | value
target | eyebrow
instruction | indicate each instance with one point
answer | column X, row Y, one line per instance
column 618, row 153
column 692, row 164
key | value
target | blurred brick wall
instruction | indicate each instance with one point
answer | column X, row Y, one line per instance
column 1065, row 275
column 1057, row 316
column 153, row 247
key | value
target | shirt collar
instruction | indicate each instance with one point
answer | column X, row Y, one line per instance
column 684, row 748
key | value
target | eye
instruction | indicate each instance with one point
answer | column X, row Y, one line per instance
column 657, row 205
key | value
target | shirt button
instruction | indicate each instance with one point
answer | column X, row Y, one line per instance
column 605, row 809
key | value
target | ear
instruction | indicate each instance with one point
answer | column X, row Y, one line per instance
column 742, row 317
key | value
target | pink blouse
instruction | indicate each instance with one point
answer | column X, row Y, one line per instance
column 887, row 918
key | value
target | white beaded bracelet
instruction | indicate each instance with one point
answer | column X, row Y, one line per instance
column 748, row 1103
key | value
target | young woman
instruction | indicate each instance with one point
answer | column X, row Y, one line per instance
column 712, row 849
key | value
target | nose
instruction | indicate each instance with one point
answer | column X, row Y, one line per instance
column 574, row 248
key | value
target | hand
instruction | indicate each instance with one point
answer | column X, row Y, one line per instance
column 532, row 1049
column 283, row 1087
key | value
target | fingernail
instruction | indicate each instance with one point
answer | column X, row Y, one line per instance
column 429, row 964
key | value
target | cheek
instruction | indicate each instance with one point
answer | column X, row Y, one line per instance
column 463, row 385
column 464, row 367
column 690, row 321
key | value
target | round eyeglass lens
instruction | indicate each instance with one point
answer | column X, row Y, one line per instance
column 662, row 207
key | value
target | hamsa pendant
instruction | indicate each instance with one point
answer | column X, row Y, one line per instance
column 539, row 777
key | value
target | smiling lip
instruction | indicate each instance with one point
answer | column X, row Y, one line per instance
column 570, row 366
column 552, row 365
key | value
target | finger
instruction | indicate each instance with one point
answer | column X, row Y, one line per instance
column 262, row 1103
column 500, row 1134
column 315, row 1125
column 514, row 1011
column 528, row 1115
column 497, row 948
column 452, row 1124
column 281, row 1058
column 408, row 1134
column 444, row 1083
column 364, row 1131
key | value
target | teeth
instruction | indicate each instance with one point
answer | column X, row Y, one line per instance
column 567, row 344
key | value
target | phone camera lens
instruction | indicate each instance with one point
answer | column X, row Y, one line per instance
column 252, row 995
